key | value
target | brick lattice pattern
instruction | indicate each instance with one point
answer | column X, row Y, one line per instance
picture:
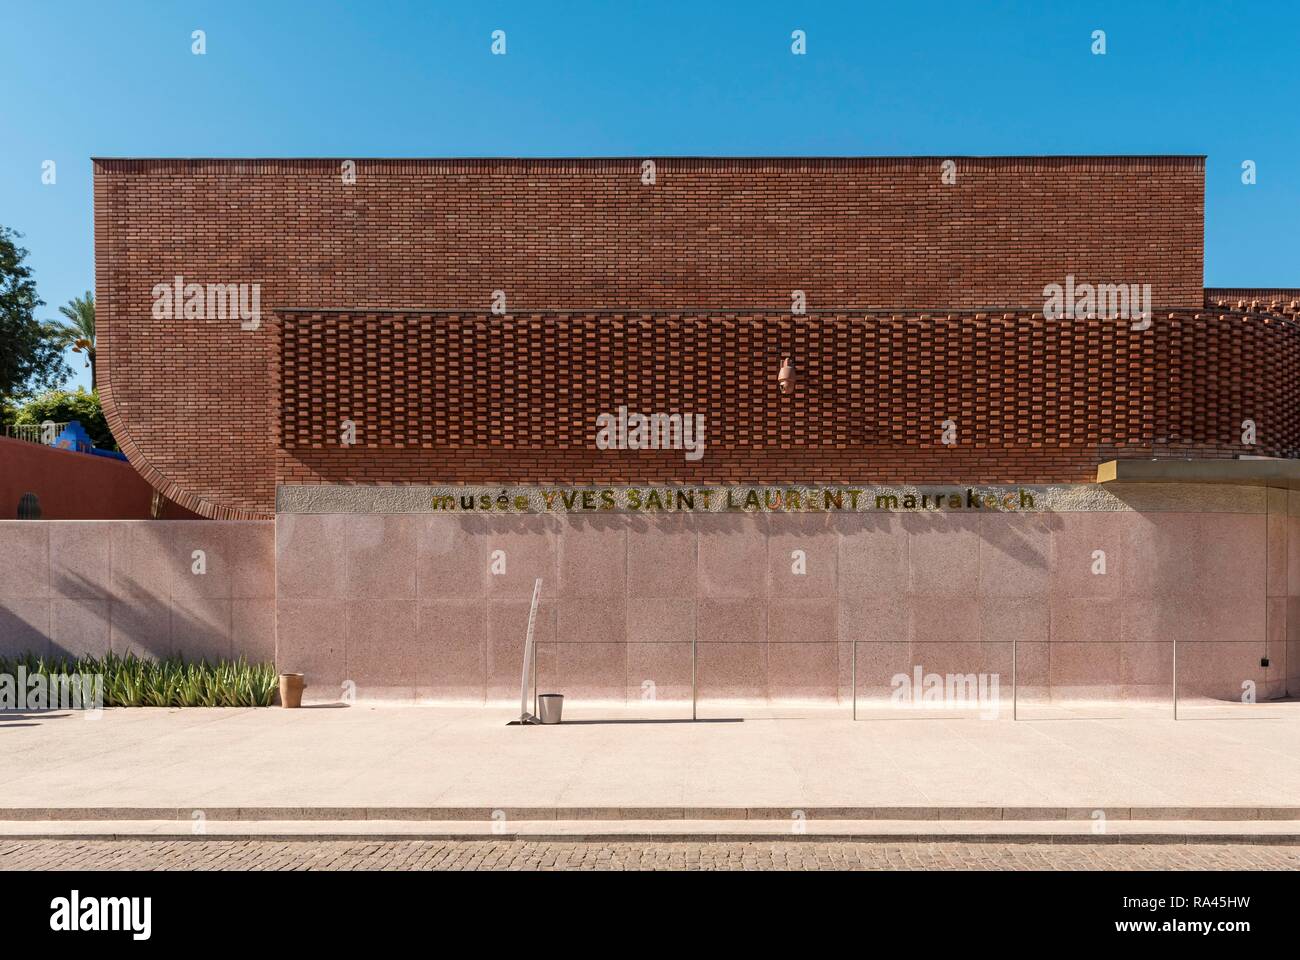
column 1283, row 300
column 515, row 399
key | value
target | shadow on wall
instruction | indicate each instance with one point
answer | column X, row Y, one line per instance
column 775, row 603
column 137, row 623
column 90, row 587
column 1091, row 599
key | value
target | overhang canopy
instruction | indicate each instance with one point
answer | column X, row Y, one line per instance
column 1261, row 472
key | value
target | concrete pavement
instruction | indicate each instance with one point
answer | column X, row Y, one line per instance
column 795, row 829
column 402, row 763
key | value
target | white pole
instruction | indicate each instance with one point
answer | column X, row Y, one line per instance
column 695, row 698
column 530, row 655
column 853, row 675
column 1175, row 665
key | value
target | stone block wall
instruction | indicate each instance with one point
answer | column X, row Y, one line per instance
column 434, row 606
column 90, row 586
column 409, row 605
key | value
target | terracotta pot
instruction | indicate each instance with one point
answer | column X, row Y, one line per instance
column 291, row 687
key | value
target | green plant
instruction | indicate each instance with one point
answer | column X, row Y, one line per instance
column 31, row 358
column 131, row 681
column 61, row 406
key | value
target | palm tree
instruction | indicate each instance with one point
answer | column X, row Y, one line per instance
column 78, row 329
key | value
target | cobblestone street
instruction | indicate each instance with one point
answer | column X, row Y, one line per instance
column 18, row 854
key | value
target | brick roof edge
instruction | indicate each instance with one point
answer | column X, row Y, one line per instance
column 459, row 165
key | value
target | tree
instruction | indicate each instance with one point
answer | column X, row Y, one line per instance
column 60, row 406
column 30, row 359
column 78, row 329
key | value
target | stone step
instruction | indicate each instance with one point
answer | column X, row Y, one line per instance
column 575, row 831
column 787, row 815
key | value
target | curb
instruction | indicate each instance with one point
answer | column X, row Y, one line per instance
column 808, row 813
column 1287, row 839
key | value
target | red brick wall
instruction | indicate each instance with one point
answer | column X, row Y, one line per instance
column 191, row 401
column 74, row 486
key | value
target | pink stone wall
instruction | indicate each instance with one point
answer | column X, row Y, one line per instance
column 406, row 605
column 1284, row 582
column 91, row 586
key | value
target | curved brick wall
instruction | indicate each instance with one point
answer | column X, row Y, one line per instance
column 191, row 402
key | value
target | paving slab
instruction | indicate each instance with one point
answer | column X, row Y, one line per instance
column 628, row 853
column 1240, row 765
column 1055, row 831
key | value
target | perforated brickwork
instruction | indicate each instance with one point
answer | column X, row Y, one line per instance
column 477, row 398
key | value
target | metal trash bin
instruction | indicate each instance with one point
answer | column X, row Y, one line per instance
column 549, row 707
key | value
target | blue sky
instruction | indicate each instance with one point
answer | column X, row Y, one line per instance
column 663, row 78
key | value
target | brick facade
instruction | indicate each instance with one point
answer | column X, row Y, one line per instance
column 196, row 404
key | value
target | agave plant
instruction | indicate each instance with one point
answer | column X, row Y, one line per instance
column 130, row 681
